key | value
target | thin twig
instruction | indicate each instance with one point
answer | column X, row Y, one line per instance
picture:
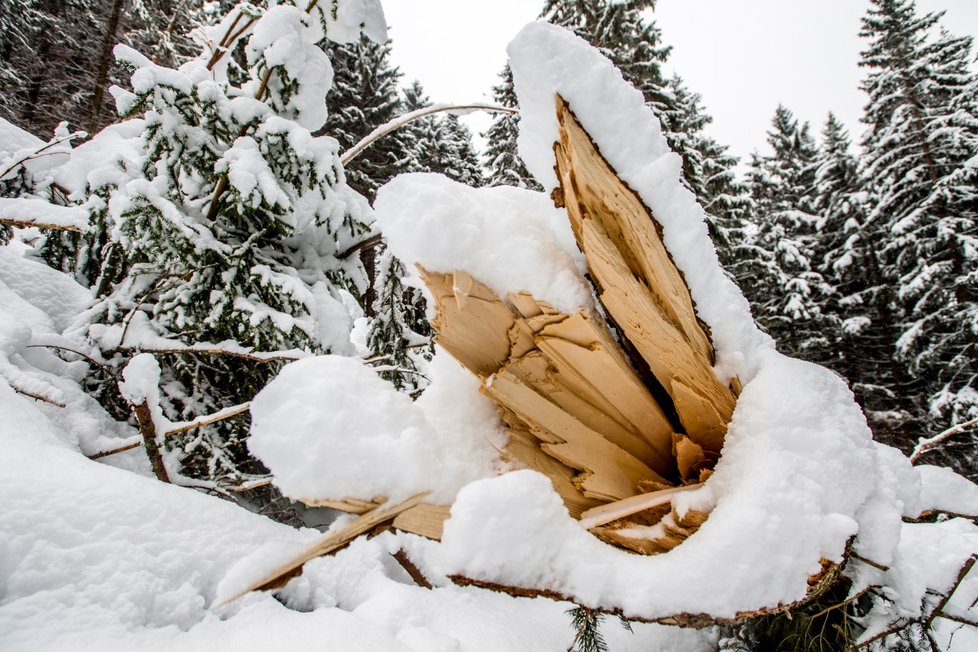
column 25, row 224
column 926, row 445
column 36, row 397
column 13, row 166
column 95, row 362
column 217, row 417
column 958, row 618
column 947, row 597
column 874, row 564
column 122, row 449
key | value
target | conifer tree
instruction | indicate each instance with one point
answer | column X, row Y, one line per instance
column 399, row 330
column 862, row 305
column 624, row 33
column 230, row 233
column 364, row 96
column 709, row 171
column 56, row 60
column 922, row 119
column 503, row 164
column 458, row 157
column 783, row 283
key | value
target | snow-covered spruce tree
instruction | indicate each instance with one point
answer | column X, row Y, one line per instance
column 922, row 119
column 502, row 162
column 710, row 172
column 58, row 54
column 781, row 280
column 231, row 232
column 458, row 158
column 863, row 302
column 20, row 23
column 364, row 96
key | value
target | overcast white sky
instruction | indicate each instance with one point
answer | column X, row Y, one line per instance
column 742, row 56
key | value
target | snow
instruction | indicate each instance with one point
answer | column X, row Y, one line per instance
column 547, row 60
column 329, row 428
column 781, row 503
column 351, row 17
column 39, row 211
column 103, row 555
column 102, row 160
column 286, row 37
column 943, row 490
column 508, row 238
column 98, row 557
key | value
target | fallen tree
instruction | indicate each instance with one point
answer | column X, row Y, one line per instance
column 641, row 406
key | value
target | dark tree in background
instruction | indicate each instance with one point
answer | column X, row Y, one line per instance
column 922, row 119
column 56, row 60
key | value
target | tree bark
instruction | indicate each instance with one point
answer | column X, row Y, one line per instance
column 104, row 62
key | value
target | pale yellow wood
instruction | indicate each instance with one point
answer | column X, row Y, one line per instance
column 707, row 405
column 690, row 458
column 348, row 505
column 330, row 543
column 476, row 336
column 424, row 519
column 622, row 396
column 525, row 449
column 593, row 190
column 557, row 383
column 616, row 473
column 609, row 512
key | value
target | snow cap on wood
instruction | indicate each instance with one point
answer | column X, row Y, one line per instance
column 548, row 61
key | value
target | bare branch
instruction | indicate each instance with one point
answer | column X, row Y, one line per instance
column 121, row 449
column 23, row 224
column 411, row 569
column 253, row 484
column 36, row 397
column 95, row 362
column 222, row 415
column 408, row 118
column 57, row 141
column 257, row 357
column 947, row 597
column 369, row 243
column 147, row 428
column 926, row 445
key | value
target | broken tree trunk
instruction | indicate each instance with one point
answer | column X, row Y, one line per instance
column 615, row 413
column 621, row 415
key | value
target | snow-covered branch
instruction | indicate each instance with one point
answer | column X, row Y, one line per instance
column 926, row 445
column 37, row 152
column 407, row 118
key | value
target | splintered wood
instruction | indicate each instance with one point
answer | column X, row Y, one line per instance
column 622, row 416
column 615, row 414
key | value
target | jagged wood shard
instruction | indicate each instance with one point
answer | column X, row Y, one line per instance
column 586, row 408
column 638, row 283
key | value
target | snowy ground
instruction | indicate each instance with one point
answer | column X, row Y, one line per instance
column 100, row 555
